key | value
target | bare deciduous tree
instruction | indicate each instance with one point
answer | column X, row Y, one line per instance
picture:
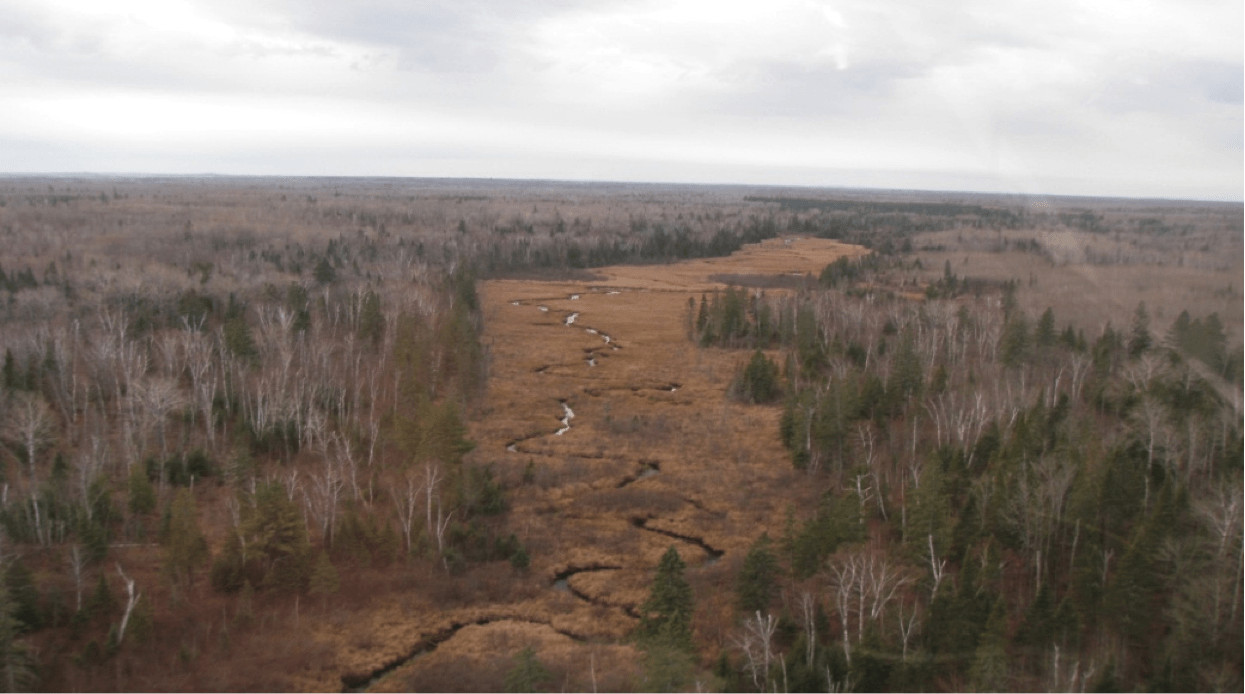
column 757, row 647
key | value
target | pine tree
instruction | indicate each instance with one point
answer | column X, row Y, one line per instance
column 756, row 584
column 759, row 381
column 528, row 673
column 102, row 601
column 1015, row 347
column 666, row 615
column 10, row 370
column 17, row 664
column 275, row 531
column 238, row 339
column 667, row 668
column 186, row 548
column 1045, row 335
column 324, row 580
column 23, row 597
column 142, row 493
column 371, row 319
column 324, row 272
column 990, row 664
column 1139, row 340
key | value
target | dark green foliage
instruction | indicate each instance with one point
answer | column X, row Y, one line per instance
column 371, row 320
column 930, row 514
column 519, row 558
column 667, row 666
column 759, row 381
column 185, row 547
column 843, row 271
column 193, row 308
column 757, row 583
column 10, row 370
column 666, row 616
column 906, row 377
column 228, row 573
column 871, row 664
column 1045, row 337
column 298, row 301
column 1016, row 345
column 481, row 492
column 277, row 556
column 324, row 580
column 18, row 665
column 528, row 673
column 991, row 667
column 142, row 494
column 237, row 332
column 1039, row 625
column 365, row 539
column 102, row 602
column 957, row 615
column 1203, row 339
column 1139, row 340
column 838, row 520
column 23, row 597
column 324, row 272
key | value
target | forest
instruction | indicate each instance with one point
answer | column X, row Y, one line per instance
column 237, row 410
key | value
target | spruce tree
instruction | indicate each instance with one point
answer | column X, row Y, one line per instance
column 1045, row 335
column 759, row 381
column 17, row 664
column 324, row 580
column 1015, row 347
column 142, row 495
column 1139, row 340
column 275, row 531
column 756, row 585
column 371, row 319
column 528, row 673
column 667, row 614
column 185, row 547
column 990, row 664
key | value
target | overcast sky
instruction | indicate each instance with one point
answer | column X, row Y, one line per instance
column 1110, row 97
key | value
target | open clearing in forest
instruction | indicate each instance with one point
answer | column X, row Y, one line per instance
column 630, row 445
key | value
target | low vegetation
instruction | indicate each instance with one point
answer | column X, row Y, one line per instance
column 287, row 434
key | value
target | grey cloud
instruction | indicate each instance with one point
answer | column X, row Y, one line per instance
column 794, row 90
column 452, row 36
column 1173, row 87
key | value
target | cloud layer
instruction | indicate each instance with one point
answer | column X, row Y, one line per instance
column 1118, row 98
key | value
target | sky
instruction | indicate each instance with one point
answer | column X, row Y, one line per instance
column 1135, row 98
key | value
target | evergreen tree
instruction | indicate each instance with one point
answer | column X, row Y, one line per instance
column 238, row 339
column 23, row 597
column 17, row 663
column 1139, row 340
column 142, row 494
column 667, row 613
column 276, row 533
column 1015, row 347
column 528, row 673
column 10, row 370
column 702, row 316
column 186, row 548
column 990, row 664
column 324, row 580
column 906, row 377
column 1045, row 335
column 759, row 381
column 667, row 668
column 757, row 582
column 371, row 319
column 102, row 601
column 324, row 272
